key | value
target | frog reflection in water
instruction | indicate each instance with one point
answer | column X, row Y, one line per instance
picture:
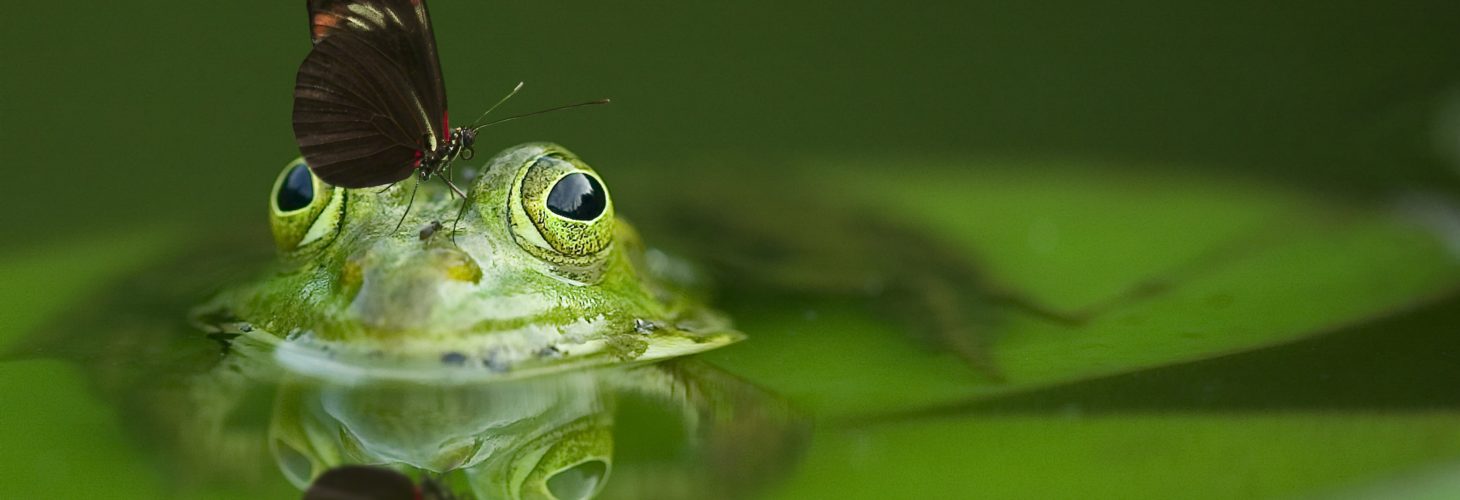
column 537, row 275
column 543, row 437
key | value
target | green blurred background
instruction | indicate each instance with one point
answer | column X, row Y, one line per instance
column 115, row 112
column 116, row 116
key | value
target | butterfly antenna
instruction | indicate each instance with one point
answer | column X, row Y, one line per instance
column 408, row 206
column 549, row 110
column 495, row 106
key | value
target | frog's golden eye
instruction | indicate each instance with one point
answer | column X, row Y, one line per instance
column 303, row 210
column 561, row 211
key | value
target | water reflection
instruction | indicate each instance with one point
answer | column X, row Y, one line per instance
column 676, row 429
column 510, row 439
column 545, row 437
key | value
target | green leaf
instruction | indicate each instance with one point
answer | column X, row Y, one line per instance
column 1192, row 456
column 1173, row 267
column 63, row 443
column 42, row 282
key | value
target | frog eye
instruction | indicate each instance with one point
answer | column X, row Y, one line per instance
column 303, row 210
column 577, row 196
column 295, row 191
column 561, row 211
column 579, row 481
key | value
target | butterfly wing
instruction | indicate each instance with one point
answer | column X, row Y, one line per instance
column 363, row 482
column 369, row 100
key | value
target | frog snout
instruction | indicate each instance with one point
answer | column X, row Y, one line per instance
column 454, row 264
column 404, row 292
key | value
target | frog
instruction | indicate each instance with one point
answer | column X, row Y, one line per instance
column 531, row 272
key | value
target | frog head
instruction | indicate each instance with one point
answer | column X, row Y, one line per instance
column 531, row 271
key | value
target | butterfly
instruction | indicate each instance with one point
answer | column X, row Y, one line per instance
column 369, row 99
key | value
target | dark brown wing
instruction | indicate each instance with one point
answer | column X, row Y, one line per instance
column 362, row 482
column 369, row 99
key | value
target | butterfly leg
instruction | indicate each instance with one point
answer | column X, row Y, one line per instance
column 453, row 187
column 459, row 214
column 464, row 201
column 408, row 205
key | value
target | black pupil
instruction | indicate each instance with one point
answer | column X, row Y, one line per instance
column 297, row 191
column 578, row 197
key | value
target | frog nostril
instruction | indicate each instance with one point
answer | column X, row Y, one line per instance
column 352, row 274
column 457, row 265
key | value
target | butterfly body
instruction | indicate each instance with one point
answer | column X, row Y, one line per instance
column 458, row 145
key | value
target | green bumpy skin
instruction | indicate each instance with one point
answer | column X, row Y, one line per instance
column 513, row 289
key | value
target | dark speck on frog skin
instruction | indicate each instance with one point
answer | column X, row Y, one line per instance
column 453, row 358
column 494, row 362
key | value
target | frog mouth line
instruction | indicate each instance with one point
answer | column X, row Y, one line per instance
column 488, row 358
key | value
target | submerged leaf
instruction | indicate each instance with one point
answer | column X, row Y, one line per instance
column 1123, row 456
column 1151, row 269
